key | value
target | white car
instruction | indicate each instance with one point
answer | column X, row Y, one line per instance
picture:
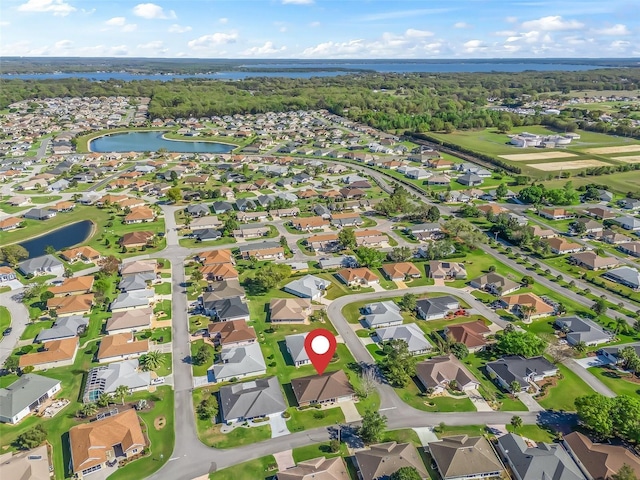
column 157, row 381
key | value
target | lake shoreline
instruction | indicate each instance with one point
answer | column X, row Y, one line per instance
column 231, row 147
column 92, row 232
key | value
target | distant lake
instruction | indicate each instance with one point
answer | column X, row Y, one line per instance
column 152, row 142
column 60, row 239
column 325, row 69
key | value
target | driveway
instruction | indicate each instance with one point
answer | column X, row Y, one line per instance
column 596, row 361
column 284, row 460
column 278, row 426
column 478, row 401
column 350, row 412
column 401, row 285
column 19, row 320
column 426, row 435
column 13, row 284
column 530, row 402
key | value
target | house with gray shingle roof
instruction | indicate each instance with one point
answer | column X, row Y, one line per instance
column 295, row 347
column 239, row 362
column 545, row 461
column 581, row 330
column 44, row 265
column 382, row 314
column 25, row 395
column 248, row 400
column 514, row 368
column 308, row 286
column 410, row 333
column 627, row 276
column 64, row 327
column 107, row 378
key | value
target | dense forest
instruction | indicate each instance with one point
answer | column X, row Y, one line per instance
column 414, row 102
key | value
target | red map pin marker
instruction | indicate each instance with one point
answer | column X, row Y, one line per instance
column 320, row 345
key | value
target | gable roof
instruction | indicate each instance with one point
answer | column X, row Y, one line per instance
column 28, row 464
column 400, row 269
column 380, row 313
column 90, row 442
column 121, row 344
column 383, row 459
column 410, row 333
column 545, row 461
column 308, row 286
column 230, row 307
column 239, row 360
column 316, row 469
column 461, row 455
column 437, row 371
column 73, row 284
column 54, row 351
column 23, row 392
column 251, row 399
column 599, row 459
column 512, row 368
column 529, row 299
column 232, row 331
column 354, row 274
column 63, row 328
column 593, row 260
column 496, row 280
column 319, row 388
column 436, row 305
column 39, row 263
column 582, row 330
column 107, row 378
column 472, row 334
column 138, row 266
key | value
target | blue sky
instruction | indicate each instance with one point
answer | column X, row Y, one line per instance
column 321, row 28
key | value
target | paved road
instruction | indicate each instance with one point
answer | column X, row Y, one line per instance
column 19, row 321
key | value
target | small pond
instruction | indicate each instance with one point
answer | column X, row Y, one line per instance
column 59, row 239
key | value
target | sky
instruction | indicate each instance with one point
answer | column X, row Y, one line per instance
column 319, row 29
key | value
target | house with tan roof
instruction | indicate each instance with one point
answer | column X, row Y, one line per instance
column 136, row 239
column 331, row 387
column 56, row 353
column 309, row 223
column 132, row 203
column 556, row 213
column 316, row 469
column 542, row 232
column 463, row 457
column 265, row 251
column 121, row 346
column 94, row 444
column 495, row 283
column 219, row 272
column 129, row 321
column 383, row 459
column 214, row 257
column 439, row 373
column 289, row 310
column 600, row 212
column 515, row 304
column 71, row 305
column 447, row 270
column 327, row 242
column 561, row 246
column 358, row 276
column 85, row 254
column 400, row 271
column 73, row 286
column 231, row 333
column 64, row 206
column 612, row 237
column 251, row 231
column 9, row 223
column 138, row 267
column 593, row 261
column 491, row 208
column 26, row 464
column 472, row 334
column 599, row 460
column 140, row 215
column 630, row 248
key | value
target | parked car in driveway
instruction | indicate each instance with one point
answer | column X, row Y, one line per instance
column 7, row 331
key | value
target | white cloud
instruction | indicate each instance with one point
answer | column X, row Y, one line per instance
column 267, row 49
column 209, row 41
column 152, row 11
column 620, row 44
column 505, row 33
column 63, row 44
column 4, row 24
column 116, row 22
column 119, row 51
column 617, row 29
column 552, row 23
column 412, row 33
column 156, row 46
column 57, row 7
column 175, row 28
column 121, row 22
column 297, row 2
column 223, row 20
column 461, row 25
column 473, row 46
column 511, row 19
column 314, row 24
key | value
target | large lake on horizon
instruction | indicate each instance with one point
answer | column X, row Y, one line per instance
column 152, row 142
column 59, row 239
column 319, row 70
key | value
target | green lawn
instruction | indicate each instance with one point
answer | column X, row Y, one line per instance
column 412, row 396
column 198, row 322
column 259, row 469
column 563, row 395
column 157, row 335
column 193, row 243
column 301, row 454
column 163, row 288
column 201, row 370
column 534, row 432
column 311, row 417
column 33, row 328
column 166, row 368
column 617, row 381
column 163, row 306
column 5, row 319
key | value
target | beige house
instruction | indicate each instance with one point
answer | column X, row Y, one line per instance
column 383, row 459
column 316, row 469
column 26, row 465
column 289, row 310
column 121, row 346
column 463, row 457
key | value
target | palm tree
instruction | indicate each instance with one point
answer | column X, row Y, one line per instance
column 515, row 387
column 104, row 399
column 88, row 409
column 527, row 311
column 152, row 360
column 581, row 347
column 516, row 422
column 620, row 324
column 121, row 392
